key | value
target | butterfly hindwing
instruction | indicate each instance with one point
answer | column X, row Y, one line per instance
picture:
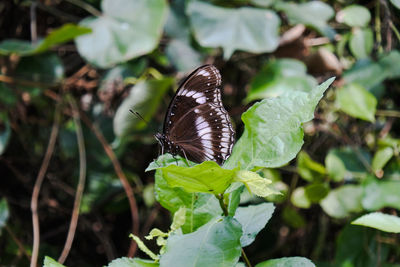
column 196, row 124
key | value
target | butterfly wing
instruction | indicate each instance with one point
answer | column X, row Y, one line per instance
column 196, row 122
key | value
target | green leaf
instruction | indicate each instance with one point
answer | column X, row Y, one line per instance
column 61, row 35
column 347, row 163
column 380, row 194
column 273, row 134
column 247, row 29
column 356, row 101
column 381, row 157
column 129, row 262
column 299, row 198
column 309, row 169
column 253, row 219
column 317, row 191
column 287, row 262
column 215, row 244
column 207, row 177
column 293, row 218
column 143, row 247
column 396, row 3
column 354, row 16
column 5, row 131
column 200, row 207
column 390, row 65
column 343, row 201
column 182, row 55
column 380, row 221
column 46, row 69
column 279, row 77
column 143, row 98
column 4, row 213
column 7, row 95
column 255, row 183
column 314, row 14
column 49, row 262
column 367, row 73
column 121, row 34
column 361, row 42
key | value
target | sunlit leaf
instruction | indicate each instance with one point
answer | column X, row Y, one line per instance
column 381, row 157
column 49, row 262
column 287, row 262
column 179, row 219
column 143, row 98
column 253, row 219
column 247, row 29
column 200, row 207
column 354, row 16
column 380, row 194
column 343, row 201
column 356, row 101
column 309, row 169
column 255, row 183
column 314, row 14
column 273, row 134
column 216, row 243
column 143, row 247
column 380, row 221
column 279, row 77
column 127, row 29
column 299, row 198
column 132, row 262
column 361, row 42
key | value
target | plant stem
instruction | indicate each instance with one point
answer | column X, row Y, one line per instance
column 246, row 260
column 378, row 26
column 222, row 204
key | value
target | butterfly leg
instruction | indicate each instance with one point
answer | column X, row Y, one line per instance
column 187, row 161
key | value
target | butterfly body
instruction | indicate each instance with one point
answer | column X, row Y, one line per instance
column 196, row 125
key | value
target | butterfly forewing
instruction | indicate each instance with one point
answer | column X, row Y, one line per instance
column 196, row 124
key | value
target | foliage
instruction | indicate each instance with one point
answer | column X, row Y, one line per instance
column 309, row 159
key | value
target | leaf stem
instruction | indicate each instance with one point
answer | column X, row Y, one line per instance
column 246, row 260
column 222, row 204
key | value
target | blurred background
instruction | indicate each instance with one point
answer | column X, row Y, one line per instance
column 70, row 70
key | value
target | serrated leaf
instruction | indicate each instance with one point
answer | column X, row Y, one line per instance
column 343, row 201
column 273, row 134
column 314, row 14
column 132, row 262
column 287, row 262
column 200, row 207
column 380, row 194
column 49, row 262
column 247, row 29
column 380, row 221
column 309, row 169
column 143, row 98
column 299, row 198
column 253, row 219
column 121, row 34
column 361, row 42
column 356, row 101
column 216, row 243
column 354, row 16
column 5, row 131
column 381, row 157
column 255, row 183
column 207, row 177
column 279, row 77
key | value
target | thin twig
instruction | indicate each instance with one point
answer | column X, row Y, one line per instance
column 246, row 260
column 378, row 26
column 388, row 113
column 38, row 184
column 33, row 22
column 86, row 7
column 121, row 175
column 81, row 182
column 17, row 241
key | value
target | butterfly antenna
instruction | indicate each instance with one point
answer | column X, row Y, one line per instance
column 138, row 115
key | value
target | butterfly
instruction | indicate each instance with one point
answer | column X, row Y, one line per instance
column 196, row 124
